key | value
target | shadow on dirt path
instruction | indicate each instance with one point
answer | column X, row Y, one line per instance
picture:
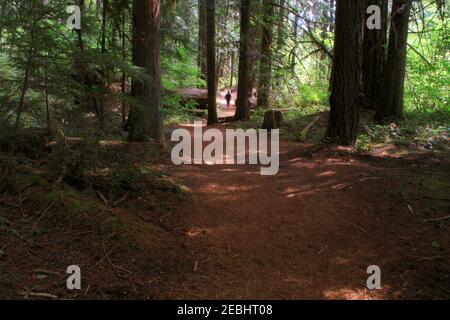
column 311, row 231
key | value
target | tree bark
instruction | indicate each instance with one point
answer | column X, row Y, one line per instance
column 242, row 107
column 104, row 21
column 78, row 31
column 332, row 18
column 265, row 67
column 1, row 21
column 391, row 105
column 26, row 77
column 211, row 54
column 294, row 58
column 187, row 24
column 347, row 72
column 47, row 103
column 231, row 69
column 374, row 57
column 146, row 119
column 202, row 31
column 281, row 25
column 124, row 56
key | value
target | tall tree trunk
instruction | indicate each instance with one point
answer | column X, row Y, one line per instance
column 281, row 25
column 347, row 72
column 294, row 58
column 187, row 24
column 391, row 105
column 78, row 31
column 2, row 14
column 254, row 51
column 211, row 54
column 242, row 107
column 123, row 8
column 47, row 103
column 23, row 93
column 265, row 67
column 103, row 31
column 374, row 57
column 281, row 38
column 331, row 26
column 202, row 34
column 26, row 77
column 146, row 118
column 231, row 69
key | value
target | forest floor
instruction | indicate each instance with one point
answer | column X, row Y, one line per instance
column 312, row 231
column 226, row 232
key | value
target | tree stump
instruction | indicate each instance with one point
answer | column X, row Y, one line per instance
column 273, row 119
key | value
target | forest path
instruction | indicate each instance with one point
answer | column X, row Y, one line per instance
column 225, row 112
column 309, row 232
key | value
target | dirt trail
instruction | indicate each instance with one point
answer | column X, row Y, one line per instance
column 311, row 231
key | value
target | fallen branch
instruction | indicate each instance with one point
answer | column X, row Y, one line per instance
column 8, row 223
column 37, row 294
column 437, row 219
column 323, row 249
column 43, row 214
column 103, row 198
column 428, row 259
column 305, row 131
column 16, row 233
column 101, row 260
column 48, row 272
column 196, row 266
column 122, row 199
column 11, row 204
column 359, row 228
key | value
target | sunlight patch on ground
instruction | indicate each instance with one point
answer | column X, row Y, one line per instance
column 326, row 174
column 219, row 189
column 342, row 261
column 192, row 125
column 195, row 232
column 112, row 143
column 229, row 170
column 352, row 294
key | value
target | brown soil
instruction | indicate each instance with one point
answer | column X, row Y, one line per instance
column 308, row 233
column 311, row 231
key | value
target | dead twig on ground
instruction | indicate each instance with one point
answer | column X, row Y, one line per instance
column 195, row 266
column 304, row 133
column 445, row 290
column 359, row 228
column 323, row 249
column 10, row 204
column 17, row 234
column 115, row 266
column 120, row 200
column 428, row 258
column 8, row 223
column 42, row 215
column 37, row 294
column 437, row 219
column 101, row 260
column 165, row 216
column 105, row 201
column 47, row 272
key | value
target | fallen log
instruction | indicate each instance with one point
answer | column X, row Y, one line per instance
column 199, row 96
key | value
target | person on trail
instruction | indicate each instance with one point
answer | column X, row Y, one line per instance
column 228, row 98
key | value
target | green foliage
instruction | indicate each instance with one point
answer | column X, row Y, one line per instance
column 423, row 131
column 175, row 112
column 311, row 95
column 179, row 70
column 428, row 66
